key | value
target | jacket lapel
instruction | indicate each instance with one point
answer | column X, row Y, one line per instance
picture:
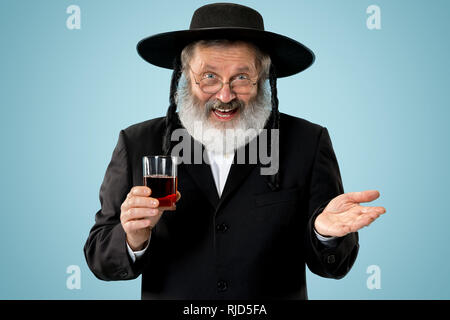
column 239, row 172
column 236, row 176
column 201, row 174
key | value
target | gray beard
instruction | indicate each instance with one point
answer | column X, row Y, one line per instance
column 228, row 136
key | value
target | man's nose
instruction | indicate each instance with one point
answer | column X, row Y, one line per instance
column 225, row 94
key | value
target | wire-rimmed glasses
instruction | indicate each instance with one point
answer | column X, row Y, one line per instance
column 210, row 83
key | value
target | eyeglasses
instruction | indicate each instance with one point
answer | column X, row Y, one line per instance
column 210, row 83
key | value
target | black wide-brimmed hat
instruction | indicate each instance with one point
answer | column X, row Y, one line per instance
column 233, row 22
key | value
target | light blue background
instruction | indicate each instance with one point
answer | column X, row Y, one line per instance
column 65, row 95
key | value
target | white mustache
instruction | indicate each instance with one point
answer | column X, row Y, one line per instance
column 217, row 104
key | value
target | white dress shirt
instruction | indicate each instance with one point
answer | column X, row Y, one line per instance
column 220, row 167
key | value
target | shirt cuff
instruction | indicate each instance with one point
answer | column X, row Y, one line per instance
column 327, row 241
column 134, row 255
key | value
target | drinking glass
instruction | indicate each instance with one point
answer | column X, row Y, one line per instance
column 160, row 175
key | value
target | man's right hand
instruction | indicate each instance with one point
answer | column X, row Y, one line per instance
column 139, row 214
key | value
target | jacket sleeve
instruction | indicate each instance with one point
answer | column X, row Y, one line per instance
column 105, row 249
column 326, row 184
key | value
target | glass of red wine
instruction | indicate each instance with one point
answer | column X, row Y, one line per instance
column 160, row 175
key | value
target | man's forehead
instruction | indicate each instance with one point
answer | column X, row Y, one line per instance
column 240, row 58
column 239, row 68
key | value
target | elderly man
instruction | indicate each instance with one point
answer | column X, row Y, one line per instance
column 234, row 233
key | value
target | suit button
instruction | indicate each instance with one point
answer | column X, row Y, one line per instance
column 331, row 259
column 222, row 227
column 222, row 286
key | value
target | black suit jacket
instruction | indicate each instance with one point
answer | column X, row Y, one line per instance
column 250, row 243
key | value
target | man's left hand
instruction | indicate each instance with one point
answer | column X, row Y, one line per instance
column 344, row 214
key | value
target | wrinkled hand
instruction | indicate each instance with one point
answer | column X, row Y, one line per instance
column 344, row 214
column 139, row 214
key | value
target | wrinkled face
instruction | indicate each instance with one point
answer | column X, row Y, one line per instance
column 232, row 64
column 223, row 117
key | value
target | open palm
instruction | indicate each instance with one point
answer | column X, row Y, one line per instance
column 344, row 214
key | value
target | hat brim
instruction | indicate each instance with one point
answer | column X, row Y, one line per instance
column 288, row 56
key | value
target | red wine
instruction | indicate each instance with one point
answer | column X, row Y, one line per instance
column 163, row 188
